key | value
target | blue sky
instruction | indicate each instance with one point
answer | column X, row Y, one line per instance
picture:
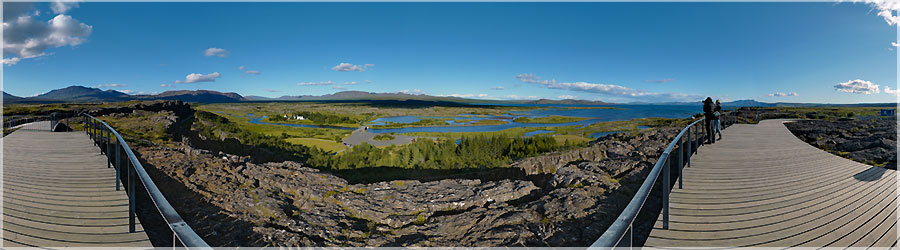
column 619, row 52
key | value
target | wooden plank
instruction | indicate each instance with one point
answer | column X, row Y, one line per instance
column 761, row 186
column 59, row 192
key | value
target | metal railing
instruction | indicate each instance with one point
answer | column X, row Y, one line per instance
column 101, row 134
column 14, row 121
column 620, row 233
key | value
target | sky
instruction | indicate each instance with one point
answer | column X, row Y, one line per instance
column 824, row 52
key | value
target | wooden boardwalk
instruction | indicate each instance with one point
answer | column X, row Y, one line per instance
column 58, row 192
column 763, row 187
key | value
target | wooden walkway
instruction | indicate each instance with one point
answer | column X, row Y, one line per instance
column 763, row 187
column 58, row 192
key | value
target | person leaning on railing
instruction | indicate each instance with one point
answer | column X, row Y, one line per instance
column 709, row 109
column 717, row 113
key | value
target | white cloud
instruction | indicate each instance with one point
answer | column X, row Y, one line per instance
column 532, row 78
column 895, row 44
column 61, row 7
column 338, row 88
column 517, row 97
column 349, row 83
column 216, row 52
column 498, row 88
column 167, row 85
column 11, row 61
column 347, row 67
column 857, row 86
column 252, row 72
column 367, row 81
column 460, row 95
column 784, row 94
column 24, row 37
column 567, row 97
column 412, row 92
column 608, row 89
column 197, row 77
column 241, row 67
column 660, row 81
column 482, row 95
column 888, row 90
column 111, row 85
column 315, row 83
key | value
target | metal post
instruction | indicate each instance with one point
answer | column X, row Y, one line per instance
column 665, row 191
column 131, row 192
column 690, row 148
column 629, row 235
column 108, row 144
column 118, row 163
column 680, row 161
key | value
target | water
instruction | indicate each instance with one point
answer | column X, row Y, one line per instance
column 602, row 134
column 624, row 113
column 537, row 132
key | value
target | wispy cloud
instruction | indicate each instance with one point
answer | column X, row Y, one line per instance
column 885, row 9
column 197, row 77
column 11, row 61
column 241, row 67
column 61, row 7
column 167, row 85
column 518, row 97
column 347, row 67
column 608, row 89
column 349, row 83
column 660, row 80
column 338, row 88
column 315, row 83
column 888, row 90
column 216, row 52
column 412, row 92
column 857, row 86
column 111, row 85
column 498, row 88
column 567, row 97
column 273, row 90
column 252, row 72
column 783, row 94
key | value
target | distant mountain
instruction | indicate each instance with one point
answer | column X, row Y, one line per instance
column 207, row 96
column 567, row 102
column 86, row 94
column 10, row 98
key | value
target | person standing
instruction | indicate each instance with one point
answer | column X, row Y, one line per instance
column 718, row 124
column 708, row 113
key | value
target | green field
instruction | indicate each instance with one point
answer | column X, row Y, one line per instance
column 326, row 145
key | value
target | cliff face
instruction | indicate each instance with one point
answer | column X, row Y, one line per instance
column 287, row 204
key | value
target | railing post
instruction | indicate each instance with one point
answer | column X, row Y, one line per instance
column 680, row 161
column 690, row 148
column 131, row 192
column 665, row 191
column 108, row 149
column 118, row 163
column 629, row 236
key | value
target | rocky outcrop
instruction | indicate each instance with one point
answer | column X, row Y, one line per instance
column 872, row 141
column 569, row 200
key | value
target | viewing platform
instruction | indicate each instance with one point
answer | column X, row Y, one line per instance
column 59, row 192
column 761, row 186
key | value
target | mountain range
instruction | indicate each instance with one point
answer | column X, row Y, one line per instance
column 81, row 94
column 86, row 94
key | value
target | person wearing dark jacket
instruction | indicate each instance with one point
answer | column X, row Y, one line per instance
column 718, row 124
column 709, row 109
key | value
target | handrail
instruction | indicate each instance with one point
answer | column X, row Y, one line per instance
column 95, row 127
column 623, row 225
